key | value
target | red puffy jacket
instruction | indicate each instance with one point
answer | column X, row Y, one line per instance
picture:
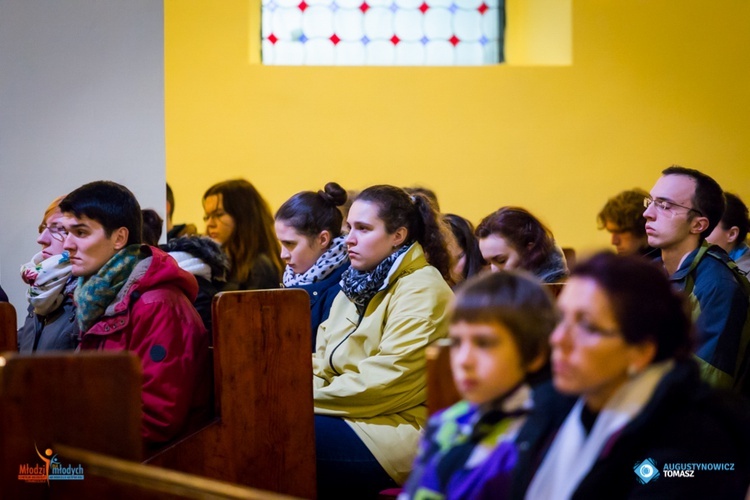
column 153, row 316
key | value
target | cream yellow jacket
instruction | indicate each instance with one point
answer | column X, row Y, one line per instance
column 371, row 370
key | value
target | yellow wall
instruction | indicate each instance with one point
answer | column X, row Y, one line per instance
column 652, row 82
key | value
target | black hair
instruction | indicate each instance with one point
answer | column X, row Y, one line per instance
column 311, row 213
column 152, row 227
column 708, row 198
column 463, row 232
column 736, row 215
column 110, row 204
column 398, row 209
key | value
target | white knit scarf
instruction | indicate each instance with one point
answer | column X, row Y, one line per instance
column 47, row 280
column 573, row 453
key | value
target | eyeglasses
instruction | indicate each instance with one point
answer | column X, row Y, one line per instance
column 57, row 232
column 666, row 206
column 585, row 331
column 214, row 215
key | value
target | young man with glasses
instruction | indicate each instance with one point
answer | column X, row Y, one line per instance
column 683, row 208
column 135, row 297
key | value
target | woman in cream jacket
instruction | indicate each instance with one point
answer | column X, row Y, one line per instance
column 369, row 364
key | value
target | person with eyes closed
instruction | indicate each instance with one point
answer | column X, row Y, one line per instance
column 238, row 218
column 622, row 347
column 308, row 226
column 512, row 238
column 369, row 379
column 684, row 207
column 50, row 324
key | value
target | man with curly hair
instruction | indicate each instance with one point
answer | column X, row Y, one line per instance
column 622, row 217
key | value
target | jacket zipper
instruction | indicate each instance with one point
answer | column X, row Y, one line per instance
column 330, row 358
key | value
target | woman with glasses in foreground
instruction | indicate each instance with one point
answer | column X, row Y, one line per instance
column 50, row 324
column 644, row 424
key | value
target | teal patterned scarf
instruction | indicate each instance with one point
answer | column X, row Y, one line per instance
column 95, row 294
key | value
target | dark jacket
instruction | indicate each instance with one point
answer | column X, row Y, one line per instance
column 321, row 295
column 684, row 422
column 57, row 331
column 3, row 295
column 264, row 275
column 209, row 253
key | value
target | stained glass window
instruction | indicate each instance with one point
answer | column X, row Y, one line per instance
column 382, row 32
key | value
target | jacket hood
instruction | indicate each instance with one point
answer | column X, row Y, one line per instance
column 205, row 249
column 156, row 269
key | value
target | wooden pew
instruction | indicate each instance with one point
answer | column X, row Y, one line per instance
column 110, row 478
column 8, row 327
column 73, row 403
column 441, row 391
column 87, row 400
column 264, row 435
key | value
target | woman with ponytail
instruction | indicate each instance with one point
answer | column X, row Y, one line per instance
column 308, row 226
column 369, row 363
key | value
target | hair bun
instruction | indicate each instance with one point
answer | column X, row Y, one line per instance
column 333, row 194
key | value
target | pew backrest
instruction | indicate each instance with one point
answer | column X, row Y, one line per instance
column 264, row 434
column 87, row 400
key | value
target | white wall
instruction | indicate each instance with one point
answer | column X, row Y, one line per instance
column 81, row 99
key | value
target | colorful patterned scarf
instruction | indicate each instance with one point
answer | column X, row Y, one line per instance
column 323, row 267
column 96, row 293
column 361, row 286
column 49, row 281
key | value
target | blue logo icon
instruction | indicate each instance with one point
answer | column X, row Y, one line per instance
column 646, row 471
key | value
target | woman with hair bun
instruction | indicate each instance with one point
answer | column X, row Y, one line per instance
column 369, row 379
column 308, row 226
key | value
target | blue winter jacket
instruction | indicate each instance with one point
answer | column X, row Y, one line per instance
column 719, row 308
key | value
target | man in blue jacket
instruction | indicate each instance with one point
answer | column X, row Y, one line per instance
column 683, row 208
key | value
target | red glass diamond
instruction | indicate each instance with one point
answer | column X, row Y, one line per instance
column 483, row 8
column 335, row 39
column 454, row 40
column 272, row 38
column 302, row 6
column 395, row 40
column 424, row 7
column 364, row 7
